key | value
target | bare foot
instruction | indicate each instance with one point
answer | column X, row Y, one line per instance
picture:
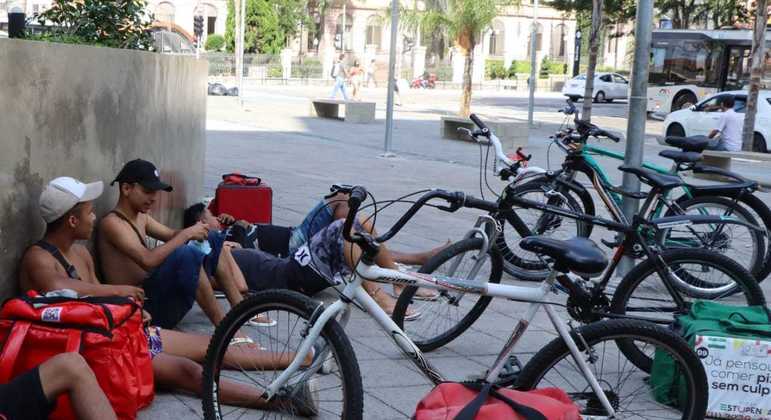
column 388, row 303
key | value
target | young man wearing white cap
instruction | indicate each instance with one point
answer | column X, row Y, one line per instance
column 66, row 206
column 174, row 275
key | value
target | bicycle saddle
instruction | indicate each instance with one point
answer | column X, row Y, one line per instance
column 653, row 178
column 689, row 144
column 681, row 157
column 579, row 255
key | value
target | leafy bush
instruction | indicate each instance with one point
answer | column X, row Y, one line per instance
column 443, row 73
column 117, row 24
column 494, row 69
column 549, row 66
column 309, row 68
column 214, row 42
column 516, row 66
column 275, row 71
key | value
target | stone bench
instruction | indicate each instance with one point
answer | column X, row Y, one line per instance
column 353, row 111
column 511, row 133
column 723, row 159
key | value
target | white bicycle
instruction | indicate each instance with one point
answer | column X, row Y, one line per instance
column 584, row 361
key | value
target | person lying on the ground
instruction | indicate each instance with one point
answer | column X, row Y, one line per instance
column 313, row 267
column 173, row 275
column 32, row 395
column 57, row 262
column 282, row 241
column 275, row 240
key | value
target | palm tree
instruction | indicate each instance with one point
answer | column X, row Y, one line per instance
column 756, row 71
column 463, row 21
column 594, row 45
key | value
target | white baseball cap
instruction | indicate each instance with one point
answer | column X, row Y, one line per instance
column 64, row 193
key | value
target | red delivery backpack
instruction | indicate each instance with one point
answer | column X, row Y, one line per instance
column 480, row 401
column 245, row 198
column 106, row 331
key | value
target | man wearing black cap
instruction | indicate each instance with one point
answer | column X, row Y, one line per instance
column 174, row 274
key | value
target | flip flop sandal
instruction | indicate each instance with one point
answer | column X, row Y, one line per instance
column 413, row 316
column 236, row 341
column 257, row 322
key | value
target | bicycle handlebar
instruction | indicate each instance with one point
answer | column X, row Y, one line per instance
column 455, row 199
column 494, row 140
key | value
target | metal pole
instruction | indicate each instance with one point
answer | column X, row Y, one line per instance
column 241, row 53
column 577, row 53
column 533, row 64
column 342, row 35
column 391, row 79
column 635, row 131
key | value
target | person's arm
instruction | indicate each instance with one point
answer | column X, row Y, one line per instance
column 120, row 235
column 158, row 230
column 720, row 126
column 39, row 269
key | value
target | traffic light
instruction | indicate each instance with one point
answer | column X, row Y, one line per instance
column 198, row 26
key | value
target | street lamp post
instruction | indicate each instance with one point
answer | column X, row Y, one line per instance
column 577, row 54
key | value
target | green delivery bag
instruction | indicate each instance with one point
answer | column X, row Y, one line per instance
column 706, row 318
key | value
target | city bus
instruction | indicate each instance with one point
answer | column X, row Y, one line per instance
column 687, row 65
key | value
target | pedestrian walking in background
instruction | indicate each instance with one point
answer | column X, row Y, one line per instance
column 370, row 73
column 340, row 75
column 356, row 74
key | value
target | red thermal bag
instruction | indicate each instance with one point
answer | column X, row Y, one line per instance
column 106, row 331
column 245, row 198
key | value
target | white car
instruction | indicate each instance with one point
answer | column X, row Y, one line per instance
column 607, row 87
column 701, row 118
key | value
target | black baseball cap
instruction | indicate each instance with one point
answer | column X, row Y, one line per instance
column 142, row 172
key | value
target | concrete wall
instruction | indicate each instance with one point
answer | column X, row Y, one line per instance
column 80, row 111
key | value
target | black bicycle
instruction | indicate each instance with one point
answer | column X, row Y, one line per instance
column 661, row 286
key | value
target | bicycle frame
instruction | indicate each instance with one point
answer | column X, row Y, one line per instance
column 354, row 293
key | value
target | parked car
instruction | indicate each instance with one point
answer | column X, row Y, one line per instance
column 701, row 118
column 219, row 89
column 607, row 87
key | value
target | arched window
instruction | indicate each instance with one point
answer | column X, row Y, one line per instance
column 374, row 31
column 497, row 39
column 538, row 38
column 210, row 16
column 165, row 12
column 343, row 41
column 559, row 42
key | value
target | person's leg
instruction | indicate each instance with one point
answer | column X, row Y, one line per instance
column 334, row 90
column 69, row 372
column 228, row 277
column 340, row 210
column 181, row 374
column 242, row 356
column 342, row 89
column 204, row 295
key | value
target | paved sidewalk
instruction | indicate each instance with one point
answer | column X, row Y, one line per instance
column 300, row 157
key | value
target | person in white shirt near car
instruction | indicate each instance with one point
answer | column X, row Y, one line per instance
column 729, row 127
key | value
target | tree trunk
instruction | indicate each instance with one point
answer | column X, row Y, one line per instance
column 594, row 43
column 468, row 67
column 756, row 72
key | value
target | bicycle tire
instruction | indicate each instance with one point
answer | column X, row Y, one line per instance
column 761, row 210
column 303, row 307
column 677, row 258
column 427, row 344
column 603, row 332
column 513, row 263
column 758, row 257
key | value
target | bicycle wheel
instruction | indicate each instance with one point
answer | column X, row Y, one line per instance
column 740, row 243
column 629, row 389
column 712, row 276
column 447, row 317
column 525, row 265
column 233, row 382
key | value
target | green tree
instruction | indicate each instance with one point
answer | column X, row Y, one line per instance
column 118, row 24
column 723, row 12
column 269, row 24
column 464, row 22
column 758, row 57
column 214, row 42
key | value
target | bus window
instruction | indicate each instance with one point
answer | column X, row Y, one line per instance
column 738, row 68
column 685, row 61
